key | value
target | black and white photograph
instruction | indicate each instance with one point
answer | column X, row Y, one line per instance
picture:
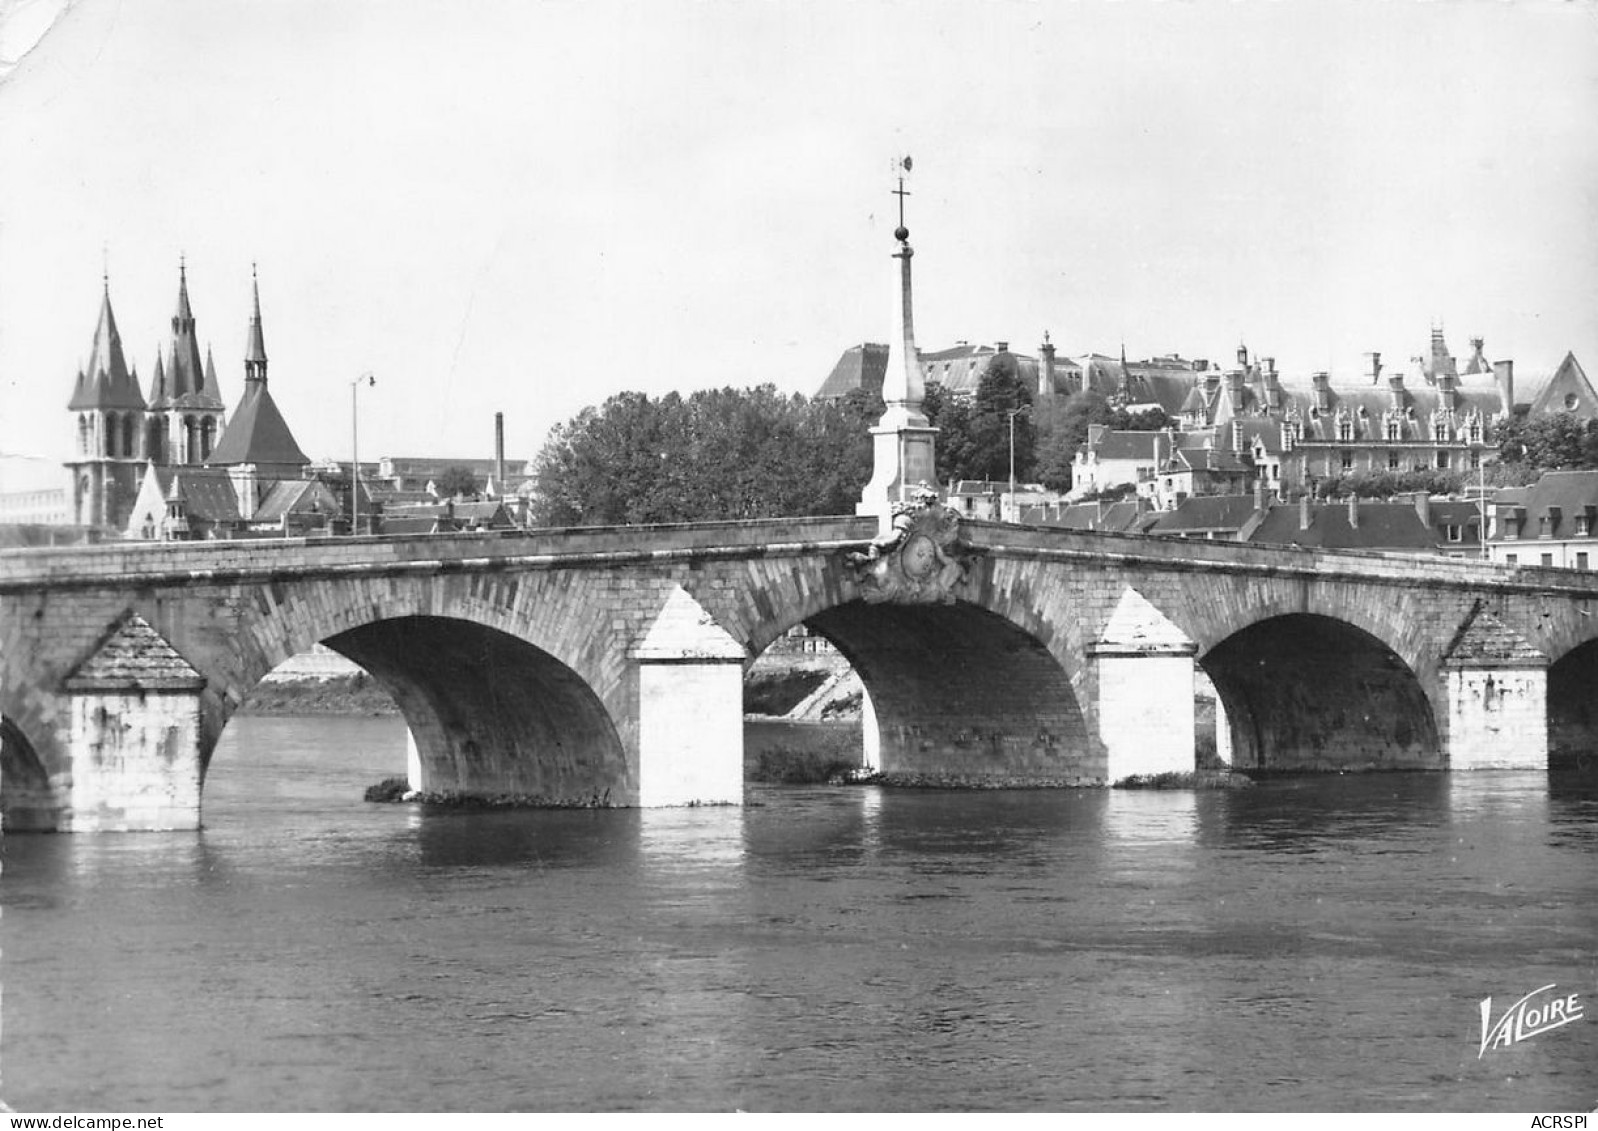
column 786, row 556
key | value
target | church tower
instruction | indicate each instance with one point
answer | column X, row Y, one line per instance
column 185, row 400
column 258, row 438
column 108, row 415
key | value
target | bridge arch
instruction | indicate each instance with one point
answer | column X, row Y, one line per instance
column 502, row 696
column 961, row 692
column 1306, row 691
column 1573, row 706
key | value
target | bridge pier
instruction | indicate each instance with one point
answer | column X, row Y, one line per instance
column 1497, row 699
column 690, row 709
column 1145, row 691
column 133, row 737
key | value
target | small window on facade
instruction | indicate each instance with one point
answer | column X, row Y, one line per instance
column 1511, row 559
column 1392, row 461
column 1547, row 559
column 1348, row 461
column 1442, row 459
column 1581, row 559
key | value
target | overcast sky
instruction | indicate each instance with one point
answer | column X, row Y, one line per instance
column 526, row 207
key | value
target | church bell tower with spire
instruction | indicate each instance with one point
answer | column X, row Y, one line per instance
column 108, row 415
column 903, row 442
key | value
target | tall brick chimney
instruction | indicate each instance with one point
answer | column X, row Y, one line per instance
column 1046, row 367
column 499, row 453
column 1373, row 367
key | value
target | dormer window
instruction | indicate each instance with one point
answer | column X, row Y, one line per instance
column 1583, row 525
column 1440, row 430
column 1395, row 429
column 1345, row 428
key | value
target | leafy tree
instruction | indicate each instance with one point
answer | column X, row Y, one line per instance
column 974, row 432
column 457, row 482
column 719, row 453
column 1558, row 441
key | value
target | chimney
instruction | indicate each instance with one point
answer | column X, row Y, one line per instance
column 1395, row 389
column 1353, row 512
column 1373, row 367
column 1259, row 494
column 1003, row 347
column 1322, row 382
column 1504, row 374
column 1423, row 508
column 499, row 454
column 1303, row 511
column 1046, row 367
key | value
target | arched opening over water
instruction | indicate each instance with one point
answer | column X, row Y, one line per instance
column 489, row 712
column 1573, row 707
column 960, row 692
column 1308, row 692
column 24, row 784
column 804, row 708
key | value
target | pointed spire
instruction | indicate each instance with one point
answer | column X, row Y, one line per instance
column 255, row 351
column 185, row 312
column 105, row 382
column 159, row 393
column 185, row 373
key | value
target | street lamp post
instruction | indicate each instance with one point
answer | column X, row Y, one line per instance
column 1012, row 414
column 355, row 451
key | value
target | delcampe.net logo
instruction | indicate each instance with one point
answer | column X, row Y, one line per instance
column 1531, row 1015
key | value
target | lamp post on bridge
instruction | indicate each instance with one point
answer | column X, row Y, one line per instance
column 1012, row 414
column 355, row 451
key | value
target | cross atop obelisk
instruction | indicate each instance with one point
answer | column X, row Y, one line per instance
column 903, row 441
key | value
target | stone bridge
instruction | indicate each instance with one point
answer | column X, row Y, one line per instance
column 606, row 664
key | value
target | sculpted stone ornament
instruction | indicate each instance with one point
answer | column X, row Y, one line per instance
column 920, row 560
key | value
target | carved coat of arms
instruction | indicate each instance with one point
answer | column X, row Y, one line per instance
column 919, row 560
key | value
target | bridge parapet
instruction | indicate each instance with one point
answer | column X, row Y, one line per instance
column 566, row 547
column 1266, row 558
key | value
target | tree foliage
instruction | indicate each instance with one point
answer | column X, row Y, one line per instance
column 457, row 482
column 974, row 433
column 716, row 454
column 1560, row 441
column 1062, row 430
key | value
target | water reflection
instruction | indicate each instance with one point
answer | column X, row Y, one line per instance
column 826, row 948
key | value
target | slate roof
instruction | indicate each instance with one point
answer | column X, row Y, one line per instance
column 1569, row 380
column 1205, row 513
column 207, row 493
column 1382, row 526
column 257, row 433
column 134, row 657
column 1122, row 517
column 295, row 496
column 1111, row 444
column 860, row 367
column 105, row 382
column 1561, row 496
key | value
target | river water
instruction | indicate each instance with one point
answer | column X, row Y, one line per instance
column 1311, row 944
